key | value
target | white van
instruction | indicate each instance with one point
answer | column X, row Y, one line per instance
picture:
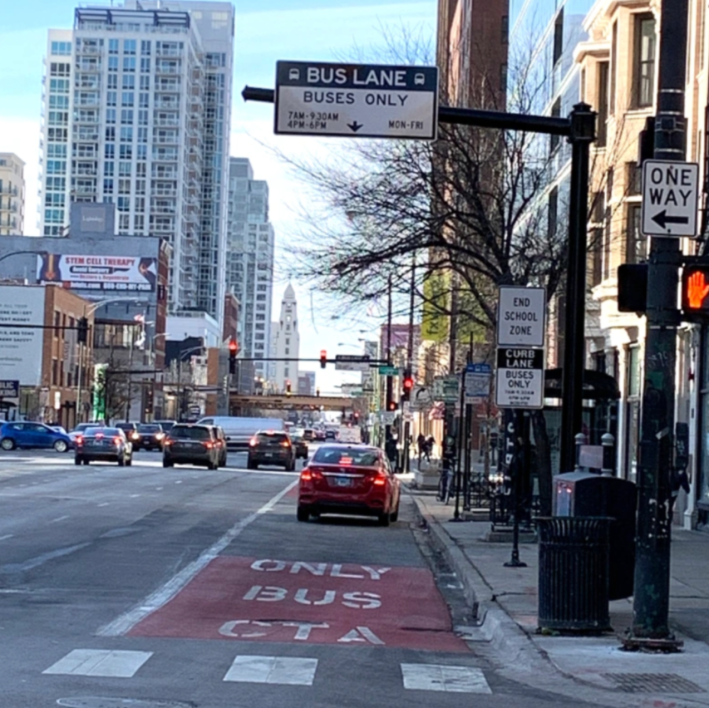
column 238, row 430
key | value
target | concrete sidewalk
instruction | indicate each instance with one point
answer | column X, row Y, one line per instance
column 507, row 610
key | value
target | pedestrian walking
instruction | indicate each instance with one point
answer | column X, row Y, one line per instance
column 430, row 444
column 421, row 445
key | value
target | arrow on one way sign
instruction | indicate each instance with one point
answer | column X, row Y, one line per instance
column 662, row 219
column 354, row 127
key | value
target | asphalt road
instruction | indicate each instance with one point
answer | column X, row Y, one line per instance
column 144, row 587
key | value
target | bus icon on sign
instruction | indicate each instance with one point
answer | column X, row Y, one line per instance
column 419, row 79
column 294, row 74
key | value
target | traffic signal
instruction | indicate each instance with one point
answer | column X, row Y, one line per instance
column 632, row 287
column 323, row 358
column 408, row 384
column 288, row 388
column 233, row 351
column 317, row 391
column 392, row 406
column 695, row 289
column 82, row 330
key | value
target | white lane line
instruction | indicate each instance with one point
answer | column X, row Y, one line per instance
column 6, row 536
column 159, row 489
column 59, row 518
column 100, row 662
column 134, row 496
column 273, row 669
column 179, row 481
column 125, row 622
column 439, row 677
column 104, row 504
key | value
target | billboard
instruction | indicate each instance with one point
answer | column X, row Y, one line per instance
column 20, row 348
column 104, row 274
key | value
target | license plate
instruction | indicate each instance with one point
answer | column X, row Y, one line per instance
column 343, row 482
column 268, row 454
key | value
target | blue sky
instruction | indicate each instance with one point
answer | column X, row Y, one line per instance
column 266, row 31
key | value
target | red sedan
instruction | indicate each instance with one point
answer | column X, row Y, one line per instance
column 349, row 479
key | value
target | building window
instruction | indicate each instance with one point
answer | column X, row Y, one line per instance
column 558, row 36
column 644, row 61
column 554, row 140
column 505, row 28
column 614, row 65
column 602, row 104
column 552, row 212
column 598, row 208
column 635, row 240
column 634, row 178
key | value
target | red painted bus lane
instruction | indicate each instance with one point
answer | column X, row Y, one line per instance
column 326, row 603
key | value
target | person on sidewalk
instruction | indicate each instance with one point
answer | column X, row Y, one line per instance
column 392, row 452
column 430, row 444
column 421, row 445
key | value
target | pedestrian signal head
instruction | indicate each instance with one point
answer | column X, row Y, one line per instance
column 695, row 289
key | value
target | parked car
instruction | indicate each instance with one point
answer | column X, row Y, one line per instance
column 309, row 434
column 131, row 431
column 151, row 436
column 29, row 434
column 103, row 445
column 271, row 447
column 346, row 479
column 191, row 444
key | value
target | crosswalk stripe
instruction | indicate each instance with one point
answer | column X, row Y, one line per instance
column 440, row 677
column 100, row 662
column 273, row 669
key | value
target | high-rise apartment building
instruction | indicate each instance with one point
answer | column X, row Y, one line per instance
column 12, row 194
column 137, row 102
column 250, row 256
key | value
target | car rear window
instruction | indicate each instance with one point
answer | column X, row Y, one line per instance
column 271, row 437
column 190, row 433
column 346, row 456
column 105, row 432
column 126, row 426
column 149, row 428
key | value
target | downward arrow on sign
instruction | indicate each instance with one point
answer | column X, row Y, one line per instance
column 354, row 127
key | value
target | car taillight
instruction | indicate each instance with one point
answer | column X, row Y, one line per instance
column 306, row 476
column 208, row 444
column 159, row 436
column 253, row 442
column 167, row 442
column 285, row 443
column 79, row 440
column 380, row 480
column 117, row 441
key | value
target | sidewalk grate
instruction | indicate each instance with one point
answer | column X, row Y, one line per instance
column 653, row 683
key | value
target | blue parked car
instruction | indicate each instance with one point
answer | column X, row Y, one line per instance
column 27, row 434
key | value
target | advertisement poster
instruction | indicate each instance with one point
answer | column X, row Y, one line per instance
column 98, row 273
column 20, row 347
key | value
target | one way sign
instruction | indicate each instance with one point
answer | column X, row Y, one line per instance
column 670, row 196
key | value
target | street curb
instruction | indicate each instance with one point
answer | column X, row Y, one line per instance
column 524, row 660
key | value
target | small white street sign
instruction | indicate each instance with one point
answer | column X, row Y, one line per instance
column 352, row 362
column 356, row 100
column 521, row 316
column 520, row 378
column 670, row 198
column 477, row 382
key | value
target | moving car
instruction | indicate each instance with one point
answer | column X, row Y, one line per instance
column 191, row 444
column 103, row 445
column 166, row 425
column 239, row 430
column 299, row 443
column 309, row 434
column 29, row 434
column 131, row 431
column 221, row 444
column 81, row 429
column 271, row 447
column 348, row 479
column 151, row 436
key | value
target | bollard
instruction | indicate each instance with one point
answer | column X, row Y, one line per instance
column 579, row 440
column 608, row 442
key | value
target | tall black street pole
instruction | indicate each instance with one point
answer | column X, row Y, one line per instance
column 652, row 555
column 390, row 378
column 583, row 133
column 410, row 360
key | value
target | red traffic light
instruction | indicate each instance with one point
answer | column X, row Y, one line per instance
column 392, row 406
column 408, row 383
column 323, row 358
column 233, row 347
column 695, row 288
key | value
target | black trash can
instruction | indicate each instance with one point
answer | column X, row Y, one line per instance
column 573, row 574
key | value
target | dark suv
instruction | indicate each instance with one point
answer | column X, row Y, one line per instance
column 192, row 445
column 271, row 447
column 151, row 436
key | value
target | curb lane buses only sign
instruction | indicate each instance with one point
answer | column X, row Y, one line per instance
column 356, row 100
